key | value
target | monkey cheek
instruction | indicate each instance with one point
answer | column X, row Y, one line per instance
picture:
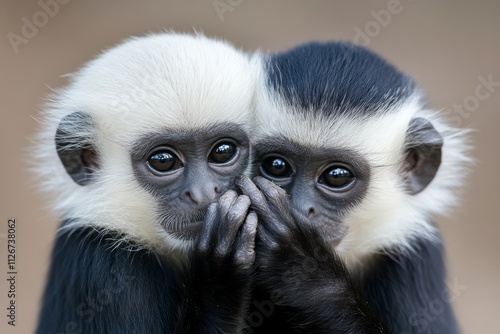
column 332, row 232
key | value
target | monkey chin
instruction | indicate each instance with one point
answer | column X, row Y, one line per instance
column 184, row 226
column 332, row 237
column 188, row 232
column 332, row 240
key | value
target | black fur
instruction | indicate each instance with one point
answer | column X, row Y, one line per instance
column 307, row 289
column 98, row 286
column 337, row 78
column 95, row 287
column 406, row 292
column 409, row 293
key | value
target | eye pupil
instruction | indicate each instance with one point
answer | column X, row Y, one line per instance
column 337, row 177
column 222, row 153
column 277, row 167
column 163, row 161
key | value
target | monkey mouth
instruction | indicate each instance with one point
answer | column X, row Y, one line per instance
column 185, row 225
column 331, row 231
column 333, row 241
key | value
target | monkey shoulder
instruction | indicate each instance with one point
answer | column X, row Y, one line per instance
column 99, row 284
column 408, row 290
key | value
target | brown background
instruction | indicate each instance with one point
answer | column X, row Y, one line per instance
column 445, row 45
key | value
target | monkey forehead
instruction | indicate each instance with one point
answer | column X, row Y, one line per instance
column 377, row 136
column 166, row 80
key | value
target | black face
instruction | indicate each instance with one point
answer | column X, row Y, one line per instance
column 188, row 170
column 323, row 184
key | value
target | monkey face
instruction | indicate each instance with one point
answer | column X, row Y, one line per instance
column 323, row 184
column 185, row 171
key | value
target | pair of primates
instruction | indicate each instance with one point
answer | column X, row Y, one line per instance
column 163, row 231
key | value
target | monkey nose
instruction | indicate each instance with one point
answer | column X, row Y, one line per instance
column 311, row 212
column 188, row 197
column 200, row 197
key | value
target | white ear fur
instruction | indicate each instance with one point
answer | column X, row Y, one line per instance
column 144, row 84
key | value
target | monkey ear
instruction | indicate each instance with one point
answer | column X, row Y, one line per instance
column 75, row 147
column 422, row 156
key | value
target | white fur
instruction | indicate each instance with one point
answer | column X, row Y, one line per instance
column 161, row 81
column 388, row 216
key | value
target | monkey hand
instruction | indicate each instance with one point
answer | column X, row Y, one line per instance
column 221, row 261
column 283, row 240
column 227, row 238
column 301, row 272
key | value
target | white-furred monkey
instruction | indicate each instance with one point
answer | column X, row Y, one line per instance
column 141, row 150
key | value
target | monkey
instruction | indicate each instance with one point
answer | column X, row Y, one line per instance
column 351, row 166
column 139, row 152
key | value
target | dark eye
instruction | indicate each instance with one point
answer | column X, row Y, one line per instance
column 276, row 167
column 336, row 177
column 222, row 153
column 164, row 161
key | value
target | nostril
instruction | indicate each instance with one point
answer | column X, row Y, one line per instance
column 311, row 212
column 189, row 197
column 217, row 189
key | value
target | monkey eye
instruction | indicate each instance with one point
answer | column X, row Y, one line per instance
column 276, row 167
column 163, row 161
column 337, row 177
column 222, row 152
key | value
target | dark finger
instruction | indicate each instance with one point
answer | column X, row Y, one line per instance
column 269, row 187
column 275, row 195
column 245, row 243
column 209, row 224
column 226, row 201
column 259, row 201
column 229, row 227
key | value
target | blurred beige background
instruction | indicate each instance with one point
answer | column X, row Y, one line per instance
column 447, row 46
